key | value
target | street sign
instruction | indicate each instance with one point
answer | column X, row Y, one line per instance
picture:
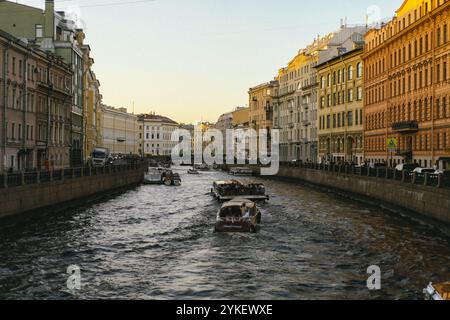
column 392, row 144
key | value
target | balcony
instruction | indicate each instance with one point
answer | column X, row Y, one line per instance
column 291, row 125
column 306, row 123
column 406, row 126
column 406, row 153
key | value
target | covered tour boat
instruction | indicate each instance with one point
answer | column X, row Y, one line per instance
column 228, row 190
column 440, row 291
column 238, row 215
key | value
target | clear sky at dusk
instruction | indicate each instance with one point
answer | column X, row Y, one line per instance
column 196, row 59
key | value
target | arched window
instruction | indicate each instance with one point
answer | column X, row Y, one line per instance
column 359, row 70
column 350, row 73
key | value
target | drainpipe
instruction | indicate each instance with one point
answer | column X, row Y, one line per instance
column 331, row 110
column 433, row 47
column 48, row 111
column 5, row 101
column 24, row 110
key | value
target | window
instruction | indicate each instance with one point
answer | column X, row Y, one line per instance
column 350, row 95
column 350, row 73
column 39, row 31
column 445, row 34
column 350, row 118
column 359, row 93
column 444, row 76
column 438, row 37
column 359, row 70
column 438, row 73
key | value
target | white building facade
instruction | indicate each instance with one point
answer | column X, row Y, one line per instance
column 157, row 134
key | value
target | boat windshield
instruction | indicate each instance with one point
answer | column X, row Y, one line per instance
column 233, row 211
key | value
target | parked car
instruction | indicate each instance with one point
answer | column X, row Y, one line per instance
column 407, row 166
column 424, row 170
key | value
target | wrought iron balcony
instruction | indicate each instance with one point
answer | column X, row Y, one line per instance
column 407, row 153
column 405, row 126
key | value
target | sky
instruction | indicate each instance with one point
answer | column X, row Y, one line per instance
column 193, row 60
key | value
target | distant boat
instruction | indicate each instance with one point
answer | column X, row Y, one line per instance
column 193, row 171
column 154, row 176
column 171, row 179
column 202, row 167
column 161, row 176
column 241, row 171
column 238, row 215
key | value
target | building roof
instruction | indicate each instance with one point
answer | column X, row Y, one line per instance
column 156, row 118
column 345, row 40
column 12, row 38
column 344, row 55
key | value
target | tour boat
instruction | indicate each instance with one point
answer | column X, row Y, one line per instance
column 154, row 176
column 238, row 215
column 193, row 171
column 244, row 171
column 228, row 190
column 170, row 178
column 439, row 291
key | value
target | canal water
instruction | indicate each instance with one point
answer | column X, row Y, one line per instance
column 157, row 242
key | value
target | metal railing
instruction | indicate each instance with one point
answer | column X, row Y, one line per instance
column 16, row 179
column 425, row 179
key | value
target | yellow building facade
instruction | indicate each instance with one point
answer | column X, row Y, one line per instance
column 92, row 100
column 261, row 102
column 340, row 108
column 241, row 118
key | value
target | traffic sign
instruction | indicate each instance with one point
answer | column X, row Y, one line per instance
column 392, row 144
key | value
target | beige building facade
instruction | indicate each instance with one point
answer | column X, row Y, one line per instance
column 120, row 130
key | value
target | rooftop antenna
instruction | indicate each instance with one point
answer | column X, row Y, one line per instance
column 133, row 107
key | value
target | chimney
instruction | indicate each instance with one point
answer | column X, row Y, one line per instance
column 49, row 27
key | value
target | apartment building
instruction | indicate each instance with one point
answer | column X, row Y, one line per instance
column 407, row 86
column 340, row 97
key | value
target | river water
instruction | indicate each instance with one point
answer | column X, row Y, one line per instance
column 157, row 242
